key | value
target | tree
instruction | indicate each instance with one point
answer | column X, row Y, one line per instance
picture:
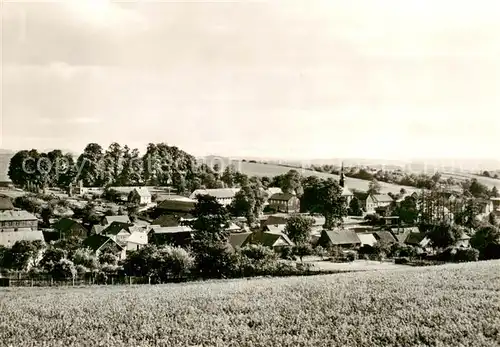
column 91, row 166
column 374, row 187
column 298, row 228
column 243, row 204
column 444, row 235
column 494, row 192
column 85, row 258
column 51, row 257
column 487, row 241
column 355, row 207
column 28, row 203
column 292, row 183
column 228, row 176
column 47, row 213
column 468, row 216
column 210, row 237
column 406, row 210
column 63, row 269
column 302, row 249
column 25, row 253
column 325, row 197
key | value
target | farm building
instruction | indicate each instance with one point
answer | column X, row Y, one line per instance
column 384, row 236
column 284, row 202
column 342, row 238
column 238, row 239
column 176, row 207
column 107, row 220
column 137, row 240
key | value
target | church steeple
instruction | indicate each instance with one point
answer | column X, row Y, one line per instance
column 342, row 179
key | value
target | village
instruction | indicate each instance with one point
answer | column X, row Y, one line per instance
column 396, row 227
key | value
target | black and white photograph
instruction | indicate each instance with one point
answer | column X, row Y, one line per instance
column 261, row 173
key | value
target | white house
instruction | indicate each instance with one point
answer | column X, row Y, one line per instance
column 374, row 201
column 140, row 195
column 224, row 196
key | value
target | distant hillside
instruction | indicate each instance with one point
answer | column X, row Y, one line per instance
column 270, row 170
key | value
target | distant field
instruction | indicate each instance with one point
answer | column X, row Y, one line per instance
column 451, row 305
column 489, row 182
column 257, row 169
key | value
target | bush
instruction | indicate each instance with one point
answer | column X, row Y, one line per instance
column 351, row 256
column 467, row 254
column 401, row 260
column 287, row 253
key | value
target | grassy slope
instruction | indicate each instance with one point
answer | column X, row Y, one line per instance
column 452, row 305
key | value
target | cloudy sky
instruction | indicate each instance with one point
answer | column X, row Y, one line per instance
column 291, row 79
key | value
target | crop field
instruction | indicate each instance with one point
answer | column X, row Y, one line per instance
column 452, row 305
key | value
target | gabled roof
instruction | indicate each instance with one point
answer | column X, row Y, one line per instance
column 65, row 224
column 121, row 219
column 16, row 215
column 97, row 229
column 116, row 227
column 138, row 237
column 142, row 192
column 95, row 242
column 274, row 220
column 273, row 190
column 8, row 236
column 367, row 239
column 270, row 239
column 381, row 198
column 281, row 197
column 238, row 239
column 342, row 237
column 275, row 228
column 166, row 220
column 221, row 193
column 5, row 203
column 384, row 236
column 346, row 192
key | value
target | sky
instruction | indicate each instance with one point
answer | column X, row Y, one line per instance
column 281, row 79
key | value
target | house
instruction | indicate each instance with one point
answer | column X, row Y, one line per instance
column 5, row 203
column 66, row 228
column 496, row 203
column 177, row 236
column 238, row 239
column 100, row 244
column 107, row 220
column 224, row 196
column 140, row 196
column 275, row 228
column 344, row 238
column 137, row 240
column 347, row 194
column 273, row 190
column 485, row 207
column 374, row 201
column 272, row 240
column 413, row 239
column 284, row 202
column 120, row 232
column 367, row 239
column 384, row 236
column 274, row 220
column 12, row 220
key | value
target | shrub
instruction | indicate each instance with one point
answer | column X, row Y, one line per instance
column 351, row 256
column 401, row 260
column 286, row 253
column 467, row 254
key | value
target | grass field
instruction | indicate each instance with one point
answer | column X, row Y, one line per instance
column 452, row 305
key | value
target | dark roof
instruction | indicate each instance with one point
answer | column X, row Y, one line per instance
column 282, row 196
column 95, row 242
column 166, row 220
column 5, row 203
column 65, row 224
column 272, row 220
column 342, row 237
column 238, row 239
column 384, row 236
column 176, row 205
column 120, row 218
column 267, row 239
column 115, row 227
column 414, row 238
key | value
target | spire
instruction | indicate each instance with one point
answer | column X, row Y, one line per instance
column 341, row 182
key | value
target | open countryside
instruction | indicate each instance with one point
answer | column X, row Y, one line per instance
column 451, row 305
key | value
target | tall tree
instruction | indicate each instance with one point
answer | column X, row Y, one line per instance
column 90, row 165
column 292, row 183
column 298, row 228
column 355, row 207
column 229, row 176
column 374, row 187
column 325, row 197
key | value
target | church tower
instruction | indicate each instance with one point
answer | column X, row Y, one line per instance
column 342, row 179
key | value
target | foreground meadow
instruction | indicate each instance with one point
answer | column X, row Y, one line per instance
column 452, row 305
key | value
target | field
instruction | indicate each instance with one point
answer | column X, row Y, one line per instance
column 452, row 305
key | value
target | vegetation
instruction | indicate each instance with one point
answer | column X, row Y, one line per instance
column 356, row 309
